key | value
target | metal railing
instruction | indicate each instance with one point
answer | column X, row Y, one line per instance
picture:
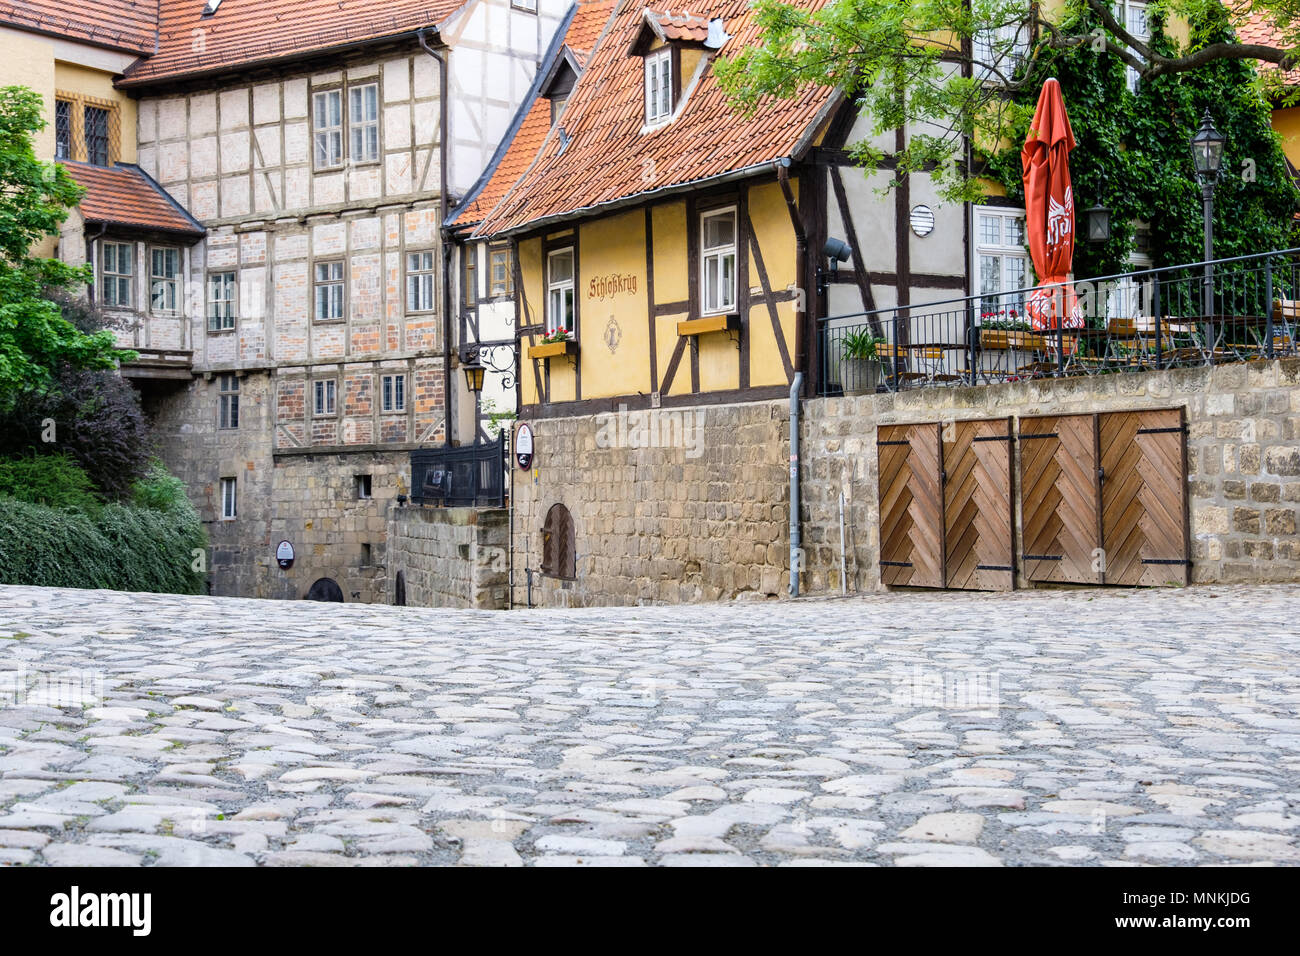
column 1201, row 313
column 460, row 476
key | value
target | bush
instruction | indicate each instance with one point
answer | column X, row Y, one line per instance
column 55, row 481
column 160, row 490
column 126, row 548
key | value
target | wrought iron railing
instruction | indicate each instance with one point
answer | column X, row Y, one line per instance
column 1201, row 313
column 460, row 476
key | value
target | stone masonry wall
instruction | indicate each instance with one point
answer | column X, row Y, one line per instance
column 667, row 525
column 1243, row 458
column 449, row 557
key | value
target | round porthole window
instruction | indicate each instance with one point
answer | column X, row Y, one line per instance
column 922, row 220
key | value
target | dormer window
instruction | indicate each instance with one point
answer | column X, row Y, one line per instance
column 658, row 86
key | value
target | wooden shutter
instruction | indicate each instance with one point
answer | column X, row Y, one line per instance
column 1144, row 497
column 910, row 480
column 978, row 532
column 1059, row 499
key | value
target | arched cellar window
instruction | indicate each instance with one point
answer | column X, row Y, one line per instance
column 399, row 590
column 558, row 555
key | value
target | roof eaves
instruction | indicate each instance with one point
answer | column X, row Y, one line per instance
column 636, row 199
column 198, row 227
column 539, row 80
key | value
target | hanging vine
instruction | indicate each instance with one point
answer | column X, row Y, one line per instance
column 1133, row 156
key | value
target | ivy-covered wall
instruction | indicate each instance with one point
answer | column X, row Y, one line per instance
column 1132, row 154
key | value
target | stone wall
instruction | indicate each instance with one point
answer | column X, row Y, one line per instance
column 706, row 518
column 668, row 505
column 1243, row 457
column 449, row 557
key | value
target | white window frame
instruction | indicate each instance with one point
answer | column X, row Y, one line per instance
column 327, row 129
column 1002, row 48
column 507, row 283
column 658, row 86
column 221, row 300
column 392, row 392
column 228, row 401
column 324, row 401
column 229, row 499
column 420, row 284
column 718, row 297
column 1004, row 251
column 527, row 6
column 363, row 123
column 124, row 252
column 557, row 290
column 1126, row 11
column 163, row 286
column 328, row 291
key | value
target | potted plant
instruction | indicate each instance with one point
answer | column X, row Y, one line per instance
column 860, row 370
column 558, row 341
column 1007, row 343
column 559, row 334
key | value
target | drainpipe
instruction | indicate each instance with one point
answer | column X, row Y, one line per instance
column 795, row 541
column 443, row 210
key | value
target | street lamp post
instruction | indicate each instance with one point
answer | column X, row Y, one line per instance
column 1207, row 157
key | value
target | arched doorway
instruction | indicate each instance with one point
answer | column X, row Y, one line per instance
column 399, row 590
column 559, row 555
column 324, row 589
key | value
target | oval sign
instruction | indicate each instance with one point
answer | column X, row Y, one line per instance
column 284, row 554
column 524, row 446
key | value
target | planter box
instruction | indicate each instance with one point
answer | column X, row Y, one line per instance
column 710, row 323
column 1004, row 339
column 548, row 349
column 859, row 376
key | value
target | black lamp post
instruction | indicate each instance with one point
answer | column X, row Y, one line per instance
column 1098, row 220
column 473, row 369
column 1207, row 157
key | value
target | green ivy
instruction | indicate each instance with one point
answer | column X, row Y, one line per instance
column 1132, row 155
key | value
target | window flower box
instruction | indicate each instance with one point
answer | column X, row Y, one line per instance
column 546, row 350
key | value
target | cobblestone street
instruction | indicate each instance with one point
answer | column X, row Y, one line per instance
column 915, row 729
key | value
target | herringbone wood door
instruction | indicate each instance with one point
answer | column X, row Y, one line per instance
column 910, row 479
column 977, row 505
column 1144, row 497
column 1059, row 499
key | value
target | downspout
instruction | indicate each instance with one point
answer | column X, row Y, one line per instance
column 443, row 211
column 795, row 541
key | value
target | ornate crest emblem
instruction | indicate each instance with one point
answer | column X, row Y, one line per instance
column 613, row 334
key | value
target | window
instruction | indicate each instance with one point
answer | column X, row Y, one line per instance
column 419, row 281
column 62, row 129
column 324, row 397
column 500, row 273
column 718, row 262
column 393, row 393
column 228, row 399
column 557, row 107
column 116, row 270
column 362, row 483
column 1132, row 16
column 658, row 86
column 164, row 280
column 363, row 122
column 528, row 6
column 471, row 275
column 229, row 509
column 559, row 558
column 96, row 120
column 1002, row 262
column 327, row 117
column 559, row 290
column 1130, row 297
column 221, row 301
column 329, row 291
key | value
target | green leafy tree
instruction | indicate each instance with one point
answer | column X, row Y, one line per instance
column 957, row 71
column 35, row 196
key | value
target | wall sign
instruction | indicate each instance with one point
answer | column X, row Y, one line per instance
column 524, row 446
column 284, row 554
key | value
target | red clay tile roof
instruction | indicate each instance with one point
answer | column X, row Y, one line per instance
column 680, row 26
column 124, row 195
column 243, row 32
column 608, row 159
column 588, row 20
column 1256, row 28
column 120, row 24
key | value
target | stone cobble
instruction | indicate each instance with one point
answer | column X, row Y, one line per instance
column 1095, row 727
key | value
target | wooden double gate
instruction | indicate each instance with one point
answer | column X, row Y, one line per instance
column 1102, row 500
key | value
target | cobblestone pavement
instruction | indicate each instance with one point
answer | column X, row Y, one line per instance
column 1048, row 727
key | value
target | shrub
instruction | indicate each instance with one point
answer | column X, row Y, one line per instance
column 55, row 481
column 159, row 489
column 126, row 548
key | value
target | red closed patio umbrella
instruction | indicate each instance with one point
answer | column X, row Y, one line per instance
column 1049, row 212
